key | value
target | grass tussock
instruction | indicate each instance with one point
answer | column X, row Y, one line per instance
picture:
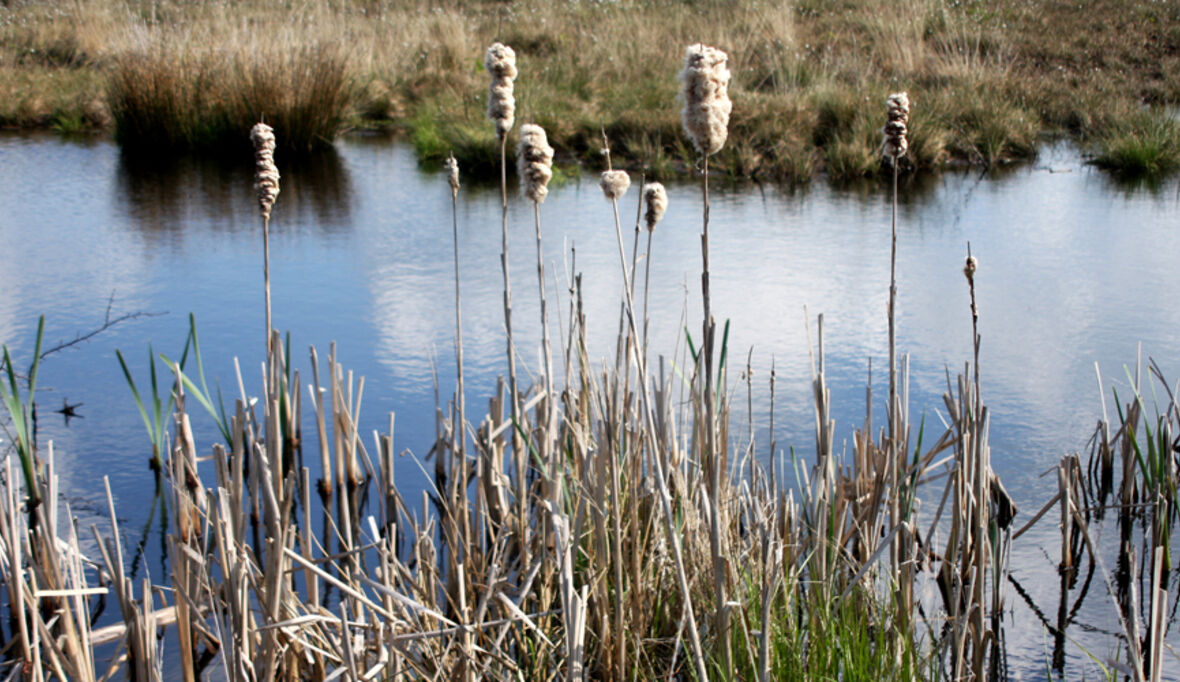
column 989, row 77
column 1145, row 146
column 169, row 98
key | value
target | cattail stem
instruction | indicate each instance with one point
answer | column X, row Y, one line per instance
column 453, row 173
column 712, row 459
column 892, row 412
column 520, row 457
column 460, row 448
column 646, row 288
column 550, row 398
column 266, row 281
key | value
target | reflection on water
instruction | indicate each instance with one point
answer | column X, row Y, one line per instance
column 1074, row 270
column 155, row 191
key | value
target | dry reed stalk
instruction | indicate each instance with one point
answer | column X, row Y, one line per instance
column 45, row 579
column 317, row 401
column 185, row 544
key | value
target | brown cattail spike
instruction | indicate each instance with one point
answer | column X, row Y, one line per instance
column 897, row 108
column 451, row 166
column 266, row 175
column 500, row 62
column 614, row 183
column 657, row 202
column 534, row 162
column 706, row 97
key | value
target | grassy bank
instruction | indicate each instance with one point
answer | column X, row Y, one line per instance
column 987, row 78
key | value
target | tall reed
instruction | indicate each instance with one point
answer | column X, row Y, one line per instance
column 500, row 62
column 894, row 147
column 451, row 167
column 706, row 119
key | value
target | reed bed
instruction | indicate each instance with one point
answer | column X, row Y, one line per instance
column 593, row 525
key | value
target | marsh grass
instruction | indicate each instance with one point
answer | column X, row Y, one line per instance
column 992, row 78
column 1145, row 146
column 169, row 97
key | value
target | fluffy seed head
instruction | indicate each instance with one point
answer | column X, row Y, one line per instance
column 969, row 268
column 451, row 166
column 500, row 62
column 706, row 98
column 614, row 183
column 266, row 175
column 534, row 162
column 897, row 108
column 657, row 202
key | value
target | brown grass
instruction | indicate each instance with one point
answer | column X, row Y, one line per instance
column 986, row 78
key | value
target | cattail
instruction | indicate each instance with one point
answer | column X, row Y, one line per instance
column 534, row 162
column 614, row 183
column 500, row 62
column 657, row 202
column 898, row 108
column 706, row 97
column 266, row 175
column 451, row 166
column 969, row 268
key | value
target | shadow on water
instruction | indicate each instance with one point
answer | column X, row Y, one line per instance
column 158, row 193
column 1155, row 185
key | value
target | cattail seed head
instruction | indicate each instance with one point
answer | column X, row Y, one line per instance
column 451, row 166
column 500, row 62
column 614, row 183
column 266, row 175
column 969, row 268
column 706, row 98
column 534, row 162
column 897, row 107
column 657, row 202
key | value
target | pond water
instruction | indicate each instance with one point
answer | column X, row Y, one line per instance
column 1074, row 270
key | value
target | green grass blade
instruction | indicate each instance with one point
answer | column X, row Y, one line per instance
column 147, row 422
